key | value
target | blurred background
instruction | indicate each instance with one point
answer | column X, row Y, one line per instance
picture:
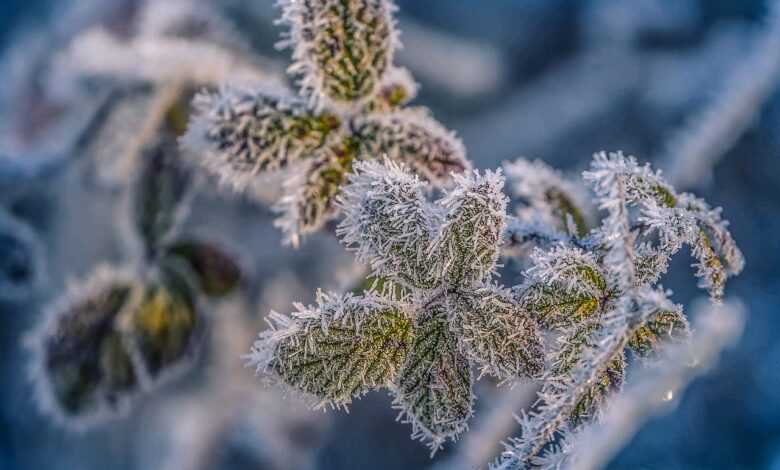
column 555, row 80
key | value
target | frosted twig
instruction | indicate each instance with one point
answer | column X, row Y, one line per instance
column 716, row 328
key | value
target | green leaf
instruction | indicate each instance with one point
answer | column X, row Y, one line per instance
column 343, row 48
column 312, row 201
column 469, row 240
column 85, row 360
column 556, row 307
column 161, row 186
column 413, row 137
column 434, row 387
column 564, row 207
column 216, row 271
column 164, row 326
column 662, row 326
column 344, row 349
column 497, row 334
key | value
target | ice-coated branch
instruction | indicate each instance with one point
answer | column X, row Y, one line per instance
column 602, row 304
column 717, row 328
column 576, row 392
column 634, row 193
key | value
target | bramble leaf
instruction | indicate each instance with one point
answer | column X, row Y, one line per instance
column 388, row 223
column 238, row 133
column 342, row 48
column 216, row 271
column 343, row 347
column 85, row 366
column 610, row 382
column 468, row 243
column 413, row 137
column 434, row 387
column 660, row 327
column 497, row 334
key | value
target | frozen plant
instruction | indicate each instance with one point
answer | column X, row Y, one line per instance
column 440, row 319
column 126, row 329
column 599, row 294
column 350, row 107
column 658, row 388
column 420, row 341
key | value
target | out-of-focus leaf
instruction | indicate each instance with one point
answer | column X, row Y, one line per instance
column 216, row 271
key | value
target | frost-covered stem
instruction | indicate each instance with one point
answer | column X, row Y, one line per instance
column 621, row 239
column 519, row 232
column 716, row 329
column 556, row 420
column 692, row 154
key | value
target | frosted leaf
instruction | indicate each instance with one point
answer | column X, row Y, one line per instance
column 239, row 133
column 342, row 49
column 573, row 268
column 565, row 286
column 216, row 271
column 413, row 137
column 310, row 199
column 642, row 184
column 497, row 334
column 434, row 387
column 549, row 194
column 388, row 222
column 570, row 346
column 718, row 256
column 665, row 325
column 469, row 239
column 81, row 366
column 164, row 327
column 338, row 349
column 161, row 188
